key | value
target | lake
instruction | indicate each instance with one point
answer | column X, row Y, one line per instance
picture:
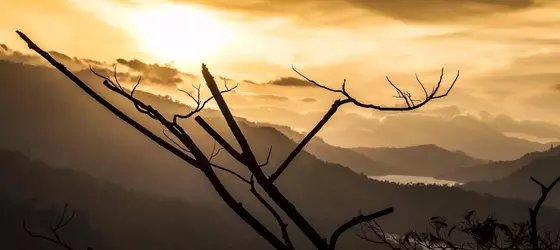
column 410, row 179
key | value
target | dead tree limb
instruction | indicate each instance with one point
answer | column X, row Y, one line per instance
column 354, row 222
column 199, row 160
column 247, row 158
column 199, row 103
column 348, row 98
column 185, row 148
column 534, row 212
column 277, row 217
column 57, row 239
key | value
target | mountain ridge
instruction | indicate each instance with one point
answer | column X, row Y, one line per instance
column 422, row 160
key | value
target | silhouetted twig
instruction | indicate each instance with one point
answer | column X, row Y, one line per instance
column 185, row 148
column 198, row 159
column 56, row 239
column 199, row 103
column 533, row 212
column 349, row 99
column 356, row 221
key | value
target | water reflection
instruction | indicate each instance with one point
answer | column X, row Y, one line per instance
column 410, row 179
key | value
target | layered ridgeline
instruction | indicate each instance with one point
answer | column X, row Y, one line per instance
column 108, row 216
column 53, row 121
column 423, row 160
column 496, row 170
column 112, row 217
column 355, row 161
column 461, row 132
column 518, row 185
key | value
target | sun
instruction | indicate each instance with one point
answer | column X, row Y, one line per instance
column 179, row 33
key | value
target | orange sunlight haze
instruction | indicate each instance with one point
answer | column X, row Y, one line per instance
column 178, row 33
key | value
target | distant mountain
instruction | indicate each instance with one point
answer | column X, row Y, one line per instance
column 119, row 216
column 518, row 185
column 496, row 169
column 49, row 119
column 458, row 133
column 122, row 219
column 12, row 235
column 343, row 156
column 424, row 160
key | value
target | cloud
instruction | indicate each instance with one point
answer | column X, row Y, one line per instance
column 95, row 63
column 134, row 64
column 248, row 82
column 487, row 34
column 538, row 129
column 446, row 126
column 455, row 133
column 308, row 99
column 155, row 73
column 8, row 54
column 291, row 82
column 67, row 60
column 527, row 86
column 273, row 97
column 263, row 96
column 283, row 98
column 152, row 73
column 533, row 83
column 442, row 10
column 406, row 10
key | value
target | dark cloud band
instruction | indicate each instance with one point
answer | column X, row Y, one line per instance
column 406, row 10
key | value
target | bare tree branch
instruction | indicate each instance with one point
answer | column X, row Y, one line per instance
column 267, row 157
column 214, row 152
column 431, row 96
column 199, row 103
column 231, row 172
column 249, row 160
column 199, row 161
column 384, row 238
column 173, row 141
column 533, row 212
column 307, row 139
column 356, row 221
column 281, row 223
column 349, row 99
column 218, row 138
column 63, row 222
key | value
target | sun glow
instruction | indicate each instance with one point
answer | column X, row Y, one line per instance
column 179, row 33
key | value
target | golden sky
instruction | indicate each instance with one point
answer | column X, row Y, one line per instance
column 507, row 50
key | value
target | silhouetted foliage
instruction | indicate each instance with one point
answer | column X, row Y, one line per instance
column 477, row 233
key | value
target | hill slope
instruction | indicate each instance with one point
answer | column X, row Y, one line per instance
column 343, row 156
column 518, row 185
column 457, row 133
column 123, row 219
column 495, row 170
column 424, row 160
column 51, row 120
